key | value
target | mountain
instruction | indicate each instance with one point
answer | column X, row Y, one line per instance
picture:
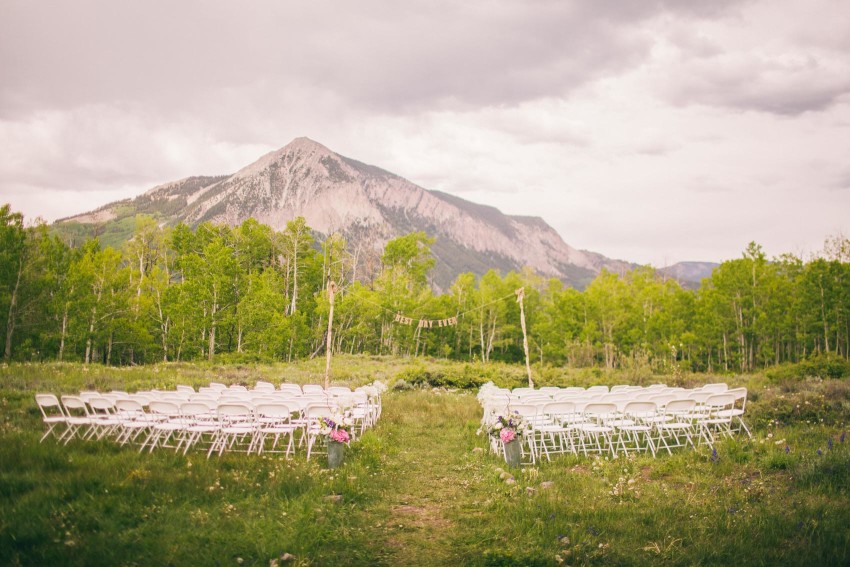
column 366, row 204
column 689, row 274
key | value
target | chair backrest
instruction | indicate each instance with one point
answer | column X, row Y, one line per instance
column 102, row 406
column 740, row 396
column 187, row 389
column 597, row 389
column 288, row 387
column 275, row 410
column 195, row 409
column 680, row 406
column 640, row 409
column 315, row 411
column 700, row 396
column 143, row 398
column 600, row 409
column 525, row 410
column 720, row 401
column 231, row 410
column 662, row 400
column 129, row 406
column 164, row 407
column 312, row 389
column 47, row 401
column 262, row 386
column 49, row 405
column 717, row 387
column 559, row 409
column 74, row 405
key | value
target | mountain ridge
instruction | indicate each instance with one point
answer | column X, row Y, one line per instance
column 337, row 194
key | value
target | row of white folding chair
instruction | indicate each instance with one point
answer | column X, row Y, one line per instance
column 714, row 416
column 230, row 426
column 366, row 410
column 99, row 416
column 226, row 427
column 596, row 427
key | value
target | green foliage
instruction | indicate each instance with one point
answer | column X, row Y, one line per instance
column 821, row 365
column 251, row 293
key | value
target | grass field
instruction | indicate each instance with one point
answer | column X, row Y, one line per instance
column 420, row 488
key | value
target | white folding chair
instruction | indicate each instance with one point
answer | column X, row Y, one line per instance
column 52, row 414
column 596, row 435
column 200, row 423
column 236, row 426
column 103, row 418
column 167, row 427
column 77, row 418
column 717, row 419
column 133, row 420
column 635, row 430
column 736, row 410
column 558, row 436
column 313, row 415
column 274, row 419
column 678, row 426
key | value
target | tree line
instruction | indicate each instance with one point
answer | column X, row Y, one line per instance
column 249, row 292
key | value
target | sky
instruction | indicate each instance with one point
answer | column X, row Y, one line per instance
column 653, row 131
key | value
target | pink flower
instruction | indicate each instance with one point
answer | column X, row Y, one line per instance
column 340, row 435
column 507, row 435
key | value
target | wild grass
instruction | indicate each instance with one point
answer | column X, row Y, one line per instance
column 420, row 488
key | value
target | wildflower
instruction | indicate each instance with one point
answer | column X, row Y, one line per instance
column 714, row 457
column 829, row 444
column 820, row 452
column 842, row 436
column 787, row 449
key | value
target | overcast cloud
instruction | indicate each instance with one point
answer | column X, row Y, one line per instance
column 649, row 131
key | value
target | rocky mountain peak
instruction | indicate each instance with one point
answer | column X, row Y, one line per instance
column 370, row 206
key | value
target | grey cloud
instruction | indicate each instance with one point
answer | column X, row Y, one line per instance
column 749, row 83
column 383, row 56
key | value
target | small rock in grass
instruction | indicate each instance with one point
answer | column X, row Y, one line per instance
column 505, row 475
column 510, row 481
column 478, row 450
column 287, row 557
column 529, row 490
column 334, row 497
column 547, row 484
column 499, row 470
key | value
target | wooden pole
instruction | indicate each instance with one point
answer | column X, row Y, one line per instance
column 331, row 291
column 520, row 293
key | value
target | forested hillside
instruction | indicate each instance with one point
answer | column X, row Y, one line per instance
column 251, row 293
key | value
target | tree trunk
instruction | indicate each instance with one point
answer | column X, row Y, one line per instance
column 13, row 305
column 64, row 332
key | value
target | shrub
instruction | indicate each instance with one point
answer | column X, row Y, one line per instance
column 821, row 365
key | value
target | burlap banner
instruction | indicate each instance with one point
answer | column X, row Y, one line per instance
column 425, row 323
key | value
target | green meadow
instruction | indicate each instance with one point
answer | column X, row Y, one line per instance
column 421, row 488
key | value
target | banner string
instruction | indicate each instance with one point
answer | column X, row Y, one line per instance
column 428, row 323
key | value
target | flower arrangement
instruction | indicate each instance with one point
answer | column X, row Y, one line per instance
column 336, row 428
column 507, row 428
